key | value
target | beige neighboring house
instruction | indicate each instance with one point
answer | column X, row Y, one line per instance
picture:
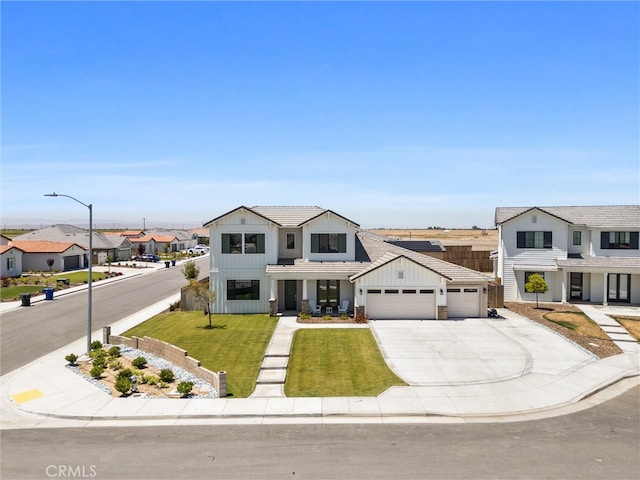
column 65, row 256
column 10, row 260
column 115, row 247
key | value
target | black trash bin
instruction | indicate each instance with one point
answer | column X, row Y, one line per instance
column 166, row 264
column 26, row 299
column 48, row 293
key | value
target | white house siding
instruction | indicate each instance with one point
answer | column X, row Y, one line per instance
column 585, row 244
column 329, row 223
column 16, row 255
column 514, row 259
column 402, row 274
column 229, row 266
column 282, row 241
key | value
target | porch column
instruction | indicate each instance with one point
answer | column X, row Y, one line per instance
column 272, row 294
column 304, row 304
column 305, row 296
column 564, row 286
column 605, row 295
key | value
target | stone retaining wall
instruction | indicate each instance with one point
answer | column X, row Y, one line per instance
column 173, row 354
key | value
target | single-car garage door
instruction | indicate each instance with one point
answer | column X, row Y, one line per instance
column 463, row 301
column 403, row 303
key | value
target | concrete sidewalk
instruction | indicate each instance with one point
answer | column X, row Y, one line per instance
column 46, row 394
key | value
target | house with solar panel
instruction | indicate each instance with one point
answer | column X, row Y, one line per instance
column 314, row 260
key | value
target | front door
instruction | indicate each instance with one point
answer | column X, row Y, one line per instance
column 576, row 286
column 290, row 294
column 619, row 287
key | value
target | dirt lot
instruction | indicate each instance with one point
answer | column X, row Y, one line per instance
column 478, row 239
column 600, row 347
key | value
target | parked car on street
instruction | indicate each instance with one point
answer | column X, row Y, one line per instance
column 147, row 257
column 199, row 249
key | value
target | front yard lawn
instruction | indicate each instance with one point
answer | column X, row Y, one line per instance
column 236, row 343
column 578, row 322
column 631, row 324
column 337, row 363
column 13, row 293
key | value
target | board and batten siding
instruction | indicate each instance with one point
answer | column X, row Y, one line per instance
column 401, row 273
column 329, row 223
column 514, row 258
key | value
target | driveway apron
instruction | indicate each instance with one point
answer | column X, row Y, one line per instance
column 474, row 350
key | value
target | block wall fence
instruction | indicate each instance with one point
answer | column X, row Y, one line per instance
column 173, row 354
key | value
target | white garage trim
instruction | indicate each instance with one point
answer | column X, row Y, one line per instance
column 401, row 303
column 464, row 301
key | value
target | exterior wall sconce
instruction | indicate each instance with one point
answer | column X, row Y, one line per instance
column 441, row 291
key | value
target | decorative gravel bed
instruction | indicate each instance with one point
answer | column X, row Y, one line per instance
column 181, row 375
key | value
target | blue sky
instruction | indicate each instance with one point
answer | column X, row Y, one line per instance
column 393, row 114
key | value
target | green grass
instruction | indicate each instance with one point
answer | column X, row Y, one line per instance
column 236, row 343
column 13, row 293
column 81, row 276
column 337, row 363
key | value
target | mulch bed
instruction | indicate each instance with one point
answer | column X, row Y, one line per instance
column 602, row 348
column 329, row 320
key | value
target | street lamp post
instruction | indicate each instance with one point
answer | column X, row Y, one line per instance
column 90, row 282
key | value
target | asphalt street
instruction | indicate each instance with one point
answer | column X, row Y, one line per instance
column 29, row 333
column 598, row 443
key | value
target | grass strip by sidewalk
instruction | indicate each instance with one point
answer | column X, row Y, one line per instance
column 337, row 363
column 236, row 343
column 631, row 325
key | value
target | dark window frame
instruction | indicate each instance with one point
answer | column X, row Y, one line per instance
column 328, row 243
column 290, row 240
column 237, row 243
column 577, row 238
column 619, row 240
column 324, row 297
column 238, row 290
column 531, row 239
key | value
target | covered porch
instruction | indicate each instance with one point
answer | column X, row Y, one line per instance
column 306, row 286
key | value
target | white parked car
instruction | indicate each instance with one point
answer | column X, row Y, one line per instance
column 199, row 249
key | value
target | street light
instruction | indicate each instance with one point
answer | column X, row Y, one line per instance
column 90, row 283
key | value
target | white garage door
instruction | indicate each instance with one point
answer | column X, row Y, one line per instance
column 463, row 302
column 404, row 304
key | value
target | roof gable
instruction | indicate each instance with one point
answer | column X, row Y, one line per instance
column 596, row 216
column 240, row 208
column 388, row 258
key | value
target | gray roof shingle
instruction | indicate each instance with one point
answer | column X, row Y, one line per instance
column 604, row 216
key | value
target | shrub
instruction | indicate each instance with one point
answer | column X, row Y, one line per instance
column 126, row 373
column 100, row 362
column 344, row 316
column 174, row 306
column 361, row 318
column 71, row 358
column 152, row 380
column 326, row 317
column 184, row 388
column 96, row 371
column 139, row 362
column 115, row 364
column 93, row 354
column 114, row 352
column 166, row 375
column 305, row 316
column 96, row 345
column 123, row 385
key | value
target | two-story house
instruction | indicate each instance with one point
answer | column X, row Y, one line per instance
column 587, row 253
column 270, row 259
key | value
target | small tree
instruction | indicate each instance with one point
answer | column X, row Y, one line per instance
column 191, row 271
column 141, row 249
column 536, row 284
column 203, row 294
column 50, row 262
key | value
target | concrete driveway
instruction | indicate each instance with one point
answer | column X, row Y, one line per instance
column 474, row 350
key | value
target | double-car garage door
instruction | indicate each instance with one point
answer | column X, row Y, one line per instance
column 416, row 303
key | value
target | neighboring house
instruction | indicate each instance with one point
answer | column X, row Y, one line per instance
column 297, row 258
column 183, row 239
column 10, row 261
column 65, row 256
column 585, row 253
column 117, row 248
column 201, row 235
column 4, row 240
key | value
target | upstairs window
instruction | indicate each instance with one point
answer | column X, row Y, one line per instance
column 328, row 243
column 577, row 237
column 534, row 240
column 247, row 243
column 291, row 241
column 619, row 240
